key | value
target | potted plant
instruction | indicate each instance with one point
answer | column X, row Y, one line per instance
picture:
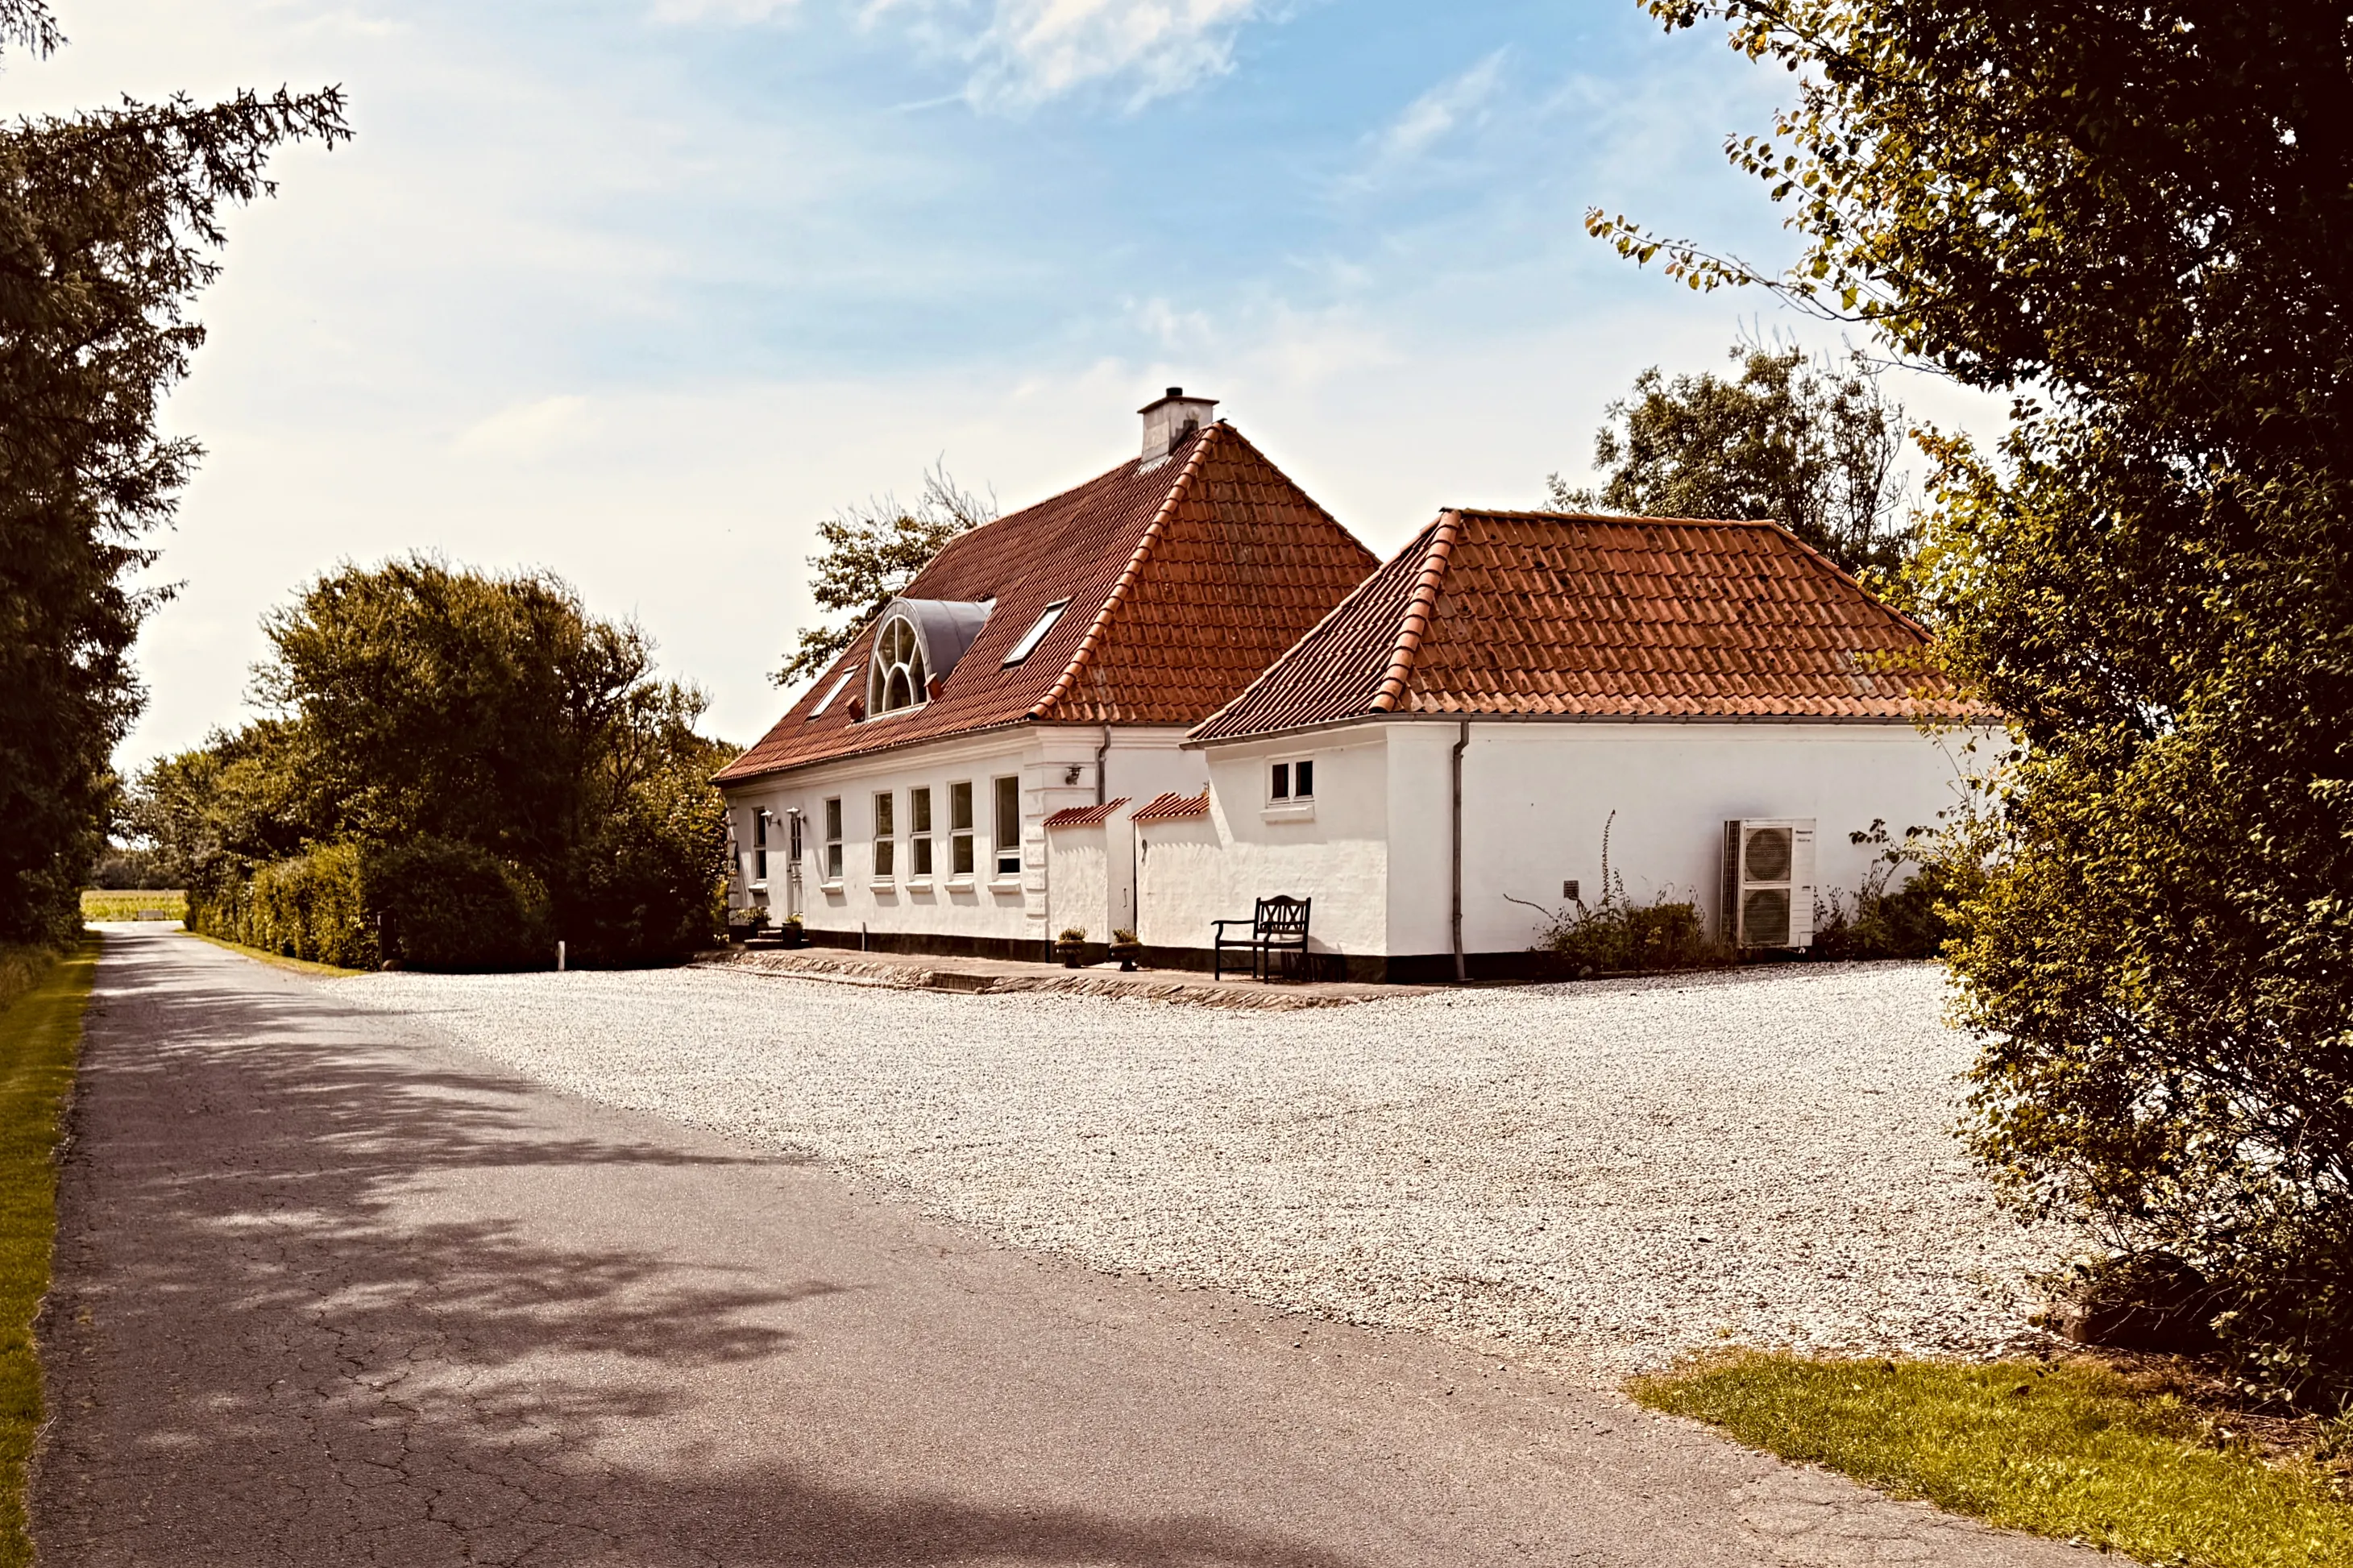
column 1126, row 949
column 791, row 931
column 1071, row 947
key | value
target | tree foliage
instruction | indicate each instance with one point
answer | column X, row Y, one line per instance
column 109, row 222
column 1810, row 445
column 871, row 552
column 414, row 704
column 2134, row 218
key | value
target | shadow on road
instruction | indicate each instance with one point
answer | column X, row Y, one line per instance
column 324, row 1295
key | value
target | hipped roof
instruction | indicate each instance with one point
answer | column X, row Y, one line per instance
column 1579, row 616
column 1185, row 581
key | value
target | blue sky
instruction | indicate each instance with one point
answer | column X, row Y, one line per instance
column 640, row 290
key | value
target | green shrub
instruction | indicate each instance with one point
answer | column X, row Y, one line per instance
column 1914, row 920
column 429, row 904
column 1618, row 935
column 453, row 906
column 649, row 883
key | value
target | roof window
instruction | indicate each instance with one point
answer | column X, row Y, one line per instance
column 1037, row 633
column 831, row 692
column 896, row 677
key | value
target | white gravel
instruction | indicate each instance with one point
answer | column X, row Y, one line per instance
column 1596, row 1177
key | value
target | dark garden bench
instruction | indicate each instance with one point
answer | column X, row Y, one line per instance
column 1277, row 929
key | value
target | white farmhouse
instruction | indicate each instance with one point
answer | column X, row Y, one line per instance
column 1050, row 661
column 1439, row 761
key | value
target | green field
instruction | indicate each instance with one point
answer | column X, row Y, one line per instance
column 2070, row 1449
column 108, row 904
column 41, row 1003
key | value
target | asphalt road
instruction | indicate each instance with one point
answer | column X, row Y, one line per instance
column 332, row 1291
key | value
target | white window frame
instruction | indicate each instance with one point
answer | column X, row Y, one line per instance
column 1004, row 849
column 912, row 666
column 1048, row 619
column 961, row 854
column 830, row 871
column 919, row 832
column 886, row 837
column 1293, row 805
column 759, row 846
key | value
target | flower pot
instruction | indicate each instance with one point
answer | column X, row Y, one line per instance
column 1127, row 952
column 1073, row 954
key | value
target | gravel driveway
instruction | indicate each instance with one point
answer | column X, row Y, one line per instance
column 1598, row 1177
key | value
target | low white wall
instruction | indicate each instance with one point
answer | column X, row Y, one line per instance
column 1332, row 850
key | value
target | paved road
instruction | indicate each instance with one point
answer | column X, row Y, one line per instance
column 330, row 1290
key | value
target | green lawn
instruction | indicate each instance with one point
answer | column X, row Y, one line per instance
column 300, row 965
column 41, row 1002
column 110, row 904
column 2070, row 1449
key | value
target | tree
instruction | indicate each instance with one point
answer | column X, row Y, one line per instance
column 2133, row 218
column 1810, row 445
column 871, row 552
column 412, row 704
column 109, row 221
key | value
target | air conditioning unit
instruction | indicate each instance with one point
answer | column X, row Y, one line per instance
column 1769, row 882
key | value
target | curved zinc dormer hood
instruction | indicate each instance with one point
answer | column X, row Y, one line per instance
column 944, row 627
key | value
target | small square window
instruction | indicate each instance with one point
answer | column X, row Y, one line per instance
column 1303, row 779
column 1278, row 783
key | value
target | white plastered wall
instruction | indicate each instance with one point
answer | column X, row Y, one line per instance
column 1537, row 798
column 1057, row 767
column 1376, row 851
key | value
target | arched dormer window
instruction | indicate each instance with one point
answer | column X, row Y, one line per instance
column 919, row 643
column 897, row 678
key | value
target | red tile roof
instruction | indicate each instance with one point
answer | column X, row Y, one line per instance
column 1599, row 617
column 1172, row 807
column 1085, row 815
column 1184, row 584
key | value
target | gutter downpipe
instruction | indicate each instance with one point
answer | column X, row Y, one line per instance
column 1101, row 751
column 1461, row 972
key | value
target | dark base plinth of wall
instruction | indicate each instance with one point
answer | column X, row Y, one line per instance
column 1404, row 969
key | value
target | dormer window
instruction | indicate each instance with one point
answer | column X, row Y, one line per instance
column 916, row 649
column 896, row 678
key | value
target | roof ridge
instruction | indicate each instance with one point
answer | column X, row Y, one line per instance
column 1419, row 608
column 1128, row 574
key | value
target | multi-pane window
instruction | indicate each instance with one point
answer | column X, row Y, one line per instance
column 886, row 841
column 1008, row 827
column 919, row 831
column 960, row 829
column 1292, row 781
column 759, row 846
column 896, row 678
column 833, row 840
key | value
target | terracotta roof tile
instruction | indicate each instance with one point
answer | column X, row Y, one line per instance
column 1599, row 617
column 1171, row 808
column 1183, row 582
column 1085, row 815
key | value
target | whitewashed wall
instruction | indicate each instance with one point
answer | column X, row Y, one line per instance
column 1056, row 765
column 1375, row 852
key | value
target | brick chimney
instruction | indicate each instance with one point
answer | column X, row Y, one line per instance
column 1168, row 420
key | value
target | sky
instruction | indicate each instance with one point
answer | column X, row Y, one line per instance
column 638, row 291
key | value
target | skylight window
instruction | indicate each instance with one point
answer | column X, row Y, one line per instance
column 1037, row 633
column 831, row 692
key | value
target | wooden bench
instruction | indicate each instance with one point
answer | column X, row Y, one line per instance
column 1277, row 928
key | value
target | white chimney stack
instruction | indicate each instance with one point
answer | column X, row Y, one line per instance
column 1168, row 420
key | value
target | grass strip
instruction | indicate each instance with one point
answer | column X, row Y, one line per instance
column 40, row 1037
column 300, row 965
column 112, row 904
column 2070, row 1449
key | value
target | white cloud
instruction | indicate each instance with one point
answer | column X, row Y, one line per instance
column 527, row 429
column 1463, row 100
column 1034, row 51
column 736, row 11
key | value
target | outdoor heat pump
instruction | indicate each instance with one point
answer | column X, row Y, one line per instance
column 1769, row 882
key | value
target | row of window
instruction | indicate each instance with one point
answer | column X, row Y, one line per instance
column 955, row 839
